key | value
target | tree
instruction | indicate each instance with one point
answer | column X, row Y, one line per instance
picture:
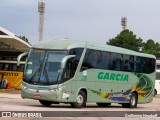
column 126, row 39
column 151, row 47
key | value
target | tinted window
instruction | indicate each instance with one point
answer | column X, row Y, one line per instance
column 151, row 65
column 145, row 65
column 128, row 63
column 96, row 59
column 90, row 60
column 93, row 59
column 104, row 61
column 116, row 61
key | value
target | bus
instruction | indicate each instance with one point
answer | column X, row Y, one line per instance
column 8, row 67
column 68, row 71
column 157, row 83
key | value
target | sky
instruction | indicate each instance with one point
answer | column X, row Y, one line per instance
column 89, row 20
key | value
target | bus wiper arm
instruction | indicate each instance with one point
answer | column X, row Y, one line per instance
column 59, row 74
column 38, row 70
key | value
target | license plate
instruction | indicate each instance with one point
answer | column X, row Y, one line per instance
column 37, row 95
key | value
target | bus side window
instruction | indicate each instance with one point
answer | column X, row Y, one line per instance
column 128, row 63
column 131, row 63
column 153, row 64
column 145, row 65
column 69, row 73
column 138, row 64
column 94, row 59
column 91, row 59
column 72, row 64
column 85, row 64
column 75, row 61
column 104, row 60
column 116, row 61
column 150, row 65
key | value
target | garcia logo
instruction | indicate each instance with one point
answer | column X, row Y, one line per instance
column 113, row 76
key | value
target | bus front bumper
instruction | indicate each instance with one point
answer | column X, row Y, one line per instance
column 54, row 96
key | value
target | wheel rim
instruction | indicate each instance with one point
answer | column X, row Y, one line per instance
column 80, row 99
column 133, row 100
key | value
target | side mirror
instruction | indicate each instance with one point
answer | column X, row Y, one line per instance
column 65, row 59
column 20, row 56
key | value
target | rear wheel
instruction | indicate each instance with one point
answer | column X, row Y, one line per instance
column 80, row 101
column 45, row 103
column 103, row 104
column 132, row 103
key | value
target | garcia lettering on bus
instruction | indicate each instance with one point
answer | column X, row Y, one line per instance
column 9, row 73
column 113, row 76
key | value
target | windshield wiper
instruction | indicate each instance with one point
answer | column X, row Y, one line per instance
column 34, row 75
column 59, row 74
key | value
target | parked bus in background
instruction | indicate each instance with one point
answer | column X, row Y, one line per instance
column 8, row 67
column 157, row 83
column 66, row 71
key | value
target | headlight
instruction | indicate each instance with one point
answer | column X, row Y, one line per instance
column 57, row 89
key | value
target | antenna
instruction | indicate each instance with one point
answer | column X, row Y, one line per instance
column 124, row 22
column 41, row 10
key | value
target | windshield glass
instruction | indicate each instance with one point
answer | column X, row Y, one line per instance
column 42, row 67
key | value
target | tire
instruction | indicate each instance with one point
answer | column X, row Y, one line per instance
column 103, row 104
column 155, row 92
column 80, row 101
column 132, row 102
column 45, row 103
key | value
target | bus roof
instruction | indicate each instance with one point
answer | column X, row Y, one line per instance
column 65, row 44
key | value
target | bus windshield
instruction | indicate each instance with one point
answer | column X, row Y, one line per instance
column 42, row 67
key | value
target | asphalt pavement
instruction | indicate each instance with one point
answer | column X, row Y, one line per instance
column 10, row 93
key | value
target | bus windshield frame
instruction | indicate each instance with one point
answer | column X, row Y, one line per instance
column 43, row 67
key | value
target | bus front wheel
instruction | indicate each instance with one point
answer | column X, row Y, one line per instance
column 80, row 101
column 45, row 103
column 132, row 102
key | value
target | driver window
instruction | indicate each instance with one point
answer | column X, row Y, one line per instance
column 72, row 64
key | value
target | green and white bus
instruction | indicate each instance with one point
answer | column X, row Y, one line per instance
column 66, row 71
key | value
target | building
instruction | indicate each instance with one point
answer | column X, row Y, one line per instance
column 10, row 47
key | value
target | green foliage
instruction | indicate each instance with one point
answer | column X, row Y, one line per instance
column 126, row 39
column 23, row 38
column 151, row 47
